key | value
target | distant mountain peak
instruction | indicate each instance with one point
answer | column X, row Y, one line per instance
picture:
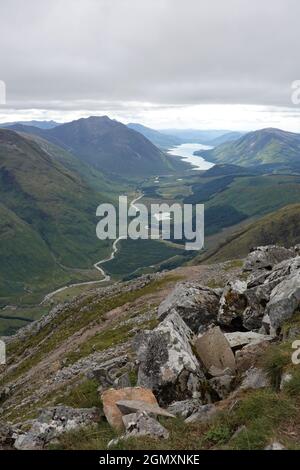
column 108, row 145
column 269, row 146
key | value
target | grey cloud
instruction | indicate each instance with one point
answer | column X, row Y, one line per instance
column 65, row 52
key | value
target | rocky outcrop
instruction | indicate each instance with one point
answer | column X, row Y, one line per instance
column 204, row 354
column 195, row 304
column 52, row 422
column 167, row 364
column 270, row 296
column 266, row 257
column 284, row 300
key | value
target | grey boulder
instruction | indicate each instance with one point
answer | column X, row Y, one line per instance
column 265, row 257
column 167, row 364
column 284, row 300
column 197, row 305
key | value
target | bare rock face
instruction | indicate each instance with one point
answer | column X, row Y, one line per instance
column 111, row 397
column 54, row 421
column 167, row 364
column 213, row 349
column 265, row 257
column 196, row 305
column 284, row 300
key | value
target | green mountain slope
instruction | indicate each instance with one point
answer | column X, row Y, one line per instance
column 266, row 146
column 107, row 145
column 232, row 198
column 47, row 219
column 281, row 227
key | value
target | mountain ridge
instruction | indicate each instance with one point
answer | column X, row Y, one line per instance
column 108, row 145
column 265, row 146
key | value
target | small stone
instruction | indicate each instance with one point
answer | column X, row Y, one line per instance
column 275, row 446
column 205, row 414
column 222, row 385
column 255, row 378
column 185, row 408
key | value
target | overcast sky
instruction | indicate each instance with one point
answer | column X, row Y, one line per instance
column 164, row 63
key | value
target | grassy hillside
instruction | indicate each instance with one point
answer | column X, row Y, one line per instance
column 281, row 227
column 47, row 220
column 231, row 199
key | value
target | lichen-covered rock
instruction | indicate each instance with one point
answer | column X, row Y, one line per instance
column 254, row 378
column 167, row 364
column 265, row 257
column 203, row 415
column 140, row 424
column 197, row 305
column 52, row 422
column 106, row 373
column 284, row 300
column 222, row 385
column 238, row 339
column 185, row 408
